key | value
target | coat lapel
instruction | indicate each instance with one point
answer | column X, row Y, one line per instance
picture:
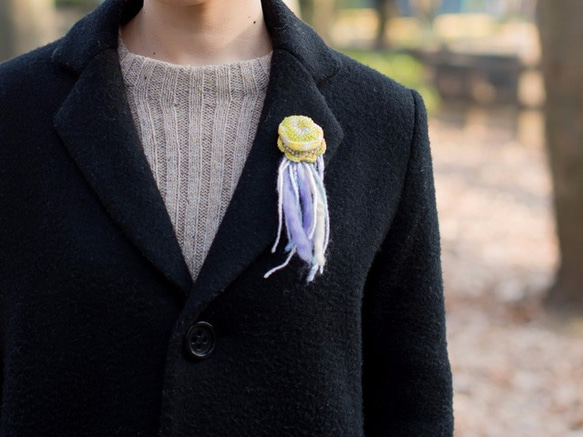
column 96, row 126
column 300, row 61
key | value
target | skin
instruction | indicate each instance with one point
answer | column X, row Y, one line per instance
column 198, row 32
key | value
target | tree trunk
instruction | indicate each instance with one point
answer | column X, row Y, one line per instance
column 24, row 25
column 307, row 10
column 319, row 14
column 561, row 38
column 6, row 32
column 426, row 10
column 386, row 9
column 293, row 5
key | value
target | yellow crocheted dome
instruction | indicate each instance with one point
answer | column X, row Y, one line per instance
column 301, row 139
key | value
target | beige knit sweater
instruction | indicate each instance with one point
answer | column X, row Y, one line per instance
column 197, row 125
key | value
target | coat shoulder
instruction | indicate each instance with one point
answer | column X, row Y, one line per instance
column 32, row 88
column 372, row 85
column 376, row 112
column 25, row 74
column 380, row 102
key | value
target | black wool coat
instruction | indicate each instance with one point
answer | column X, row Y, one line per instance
column 103, row 333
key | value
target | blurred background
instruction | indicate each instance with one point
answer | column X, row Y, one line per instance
column 503, row 83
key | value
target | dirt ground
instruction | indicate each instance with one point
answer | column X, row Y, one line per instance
column 518, row 371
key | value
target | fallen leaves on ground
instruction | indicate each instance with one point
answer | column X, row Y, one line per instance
column 518, row 371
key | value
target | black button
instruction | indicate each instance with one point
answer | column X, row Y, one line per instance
column 200, row 340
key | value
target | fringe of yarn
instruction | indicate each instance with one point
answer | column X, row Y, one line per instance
column 303, row 207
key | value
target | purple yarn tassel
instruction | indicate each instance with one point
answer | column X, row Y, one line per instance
column 303, row 207
column 307, row 201
column 293, row 216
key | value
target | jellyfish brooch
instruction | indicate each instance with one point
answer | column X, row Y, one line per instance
column 302, row 202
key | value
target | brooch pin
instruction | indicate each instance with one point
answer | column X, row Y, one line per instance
column 302, row 201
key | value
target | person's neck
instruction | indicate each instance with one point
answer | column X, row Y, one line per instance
column 210, row 32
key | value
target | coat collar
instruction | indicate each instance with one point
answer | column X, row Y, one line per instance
column 96, row 126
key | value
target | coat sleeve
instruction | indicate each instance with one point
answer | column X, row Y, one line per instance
column 407, row 385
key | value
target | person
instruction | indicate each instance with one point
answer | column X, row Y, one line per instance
column 139, row 164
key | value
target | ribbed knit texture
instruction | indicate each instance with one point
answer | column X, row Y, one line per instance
column 197, row 126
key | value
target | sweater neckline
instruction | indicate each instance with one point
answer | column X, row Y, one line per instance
column 231, row 80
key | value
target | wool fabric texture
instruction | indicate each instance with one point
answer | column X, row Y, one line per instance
column 97, row 300
column 196, row 125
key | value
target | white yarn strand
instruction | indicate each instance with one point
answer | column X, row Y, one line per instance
column 293, row 176
column 281, row 266
column 321, row 220
column 320, row 235
column 308, row 173
column 324, row 198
